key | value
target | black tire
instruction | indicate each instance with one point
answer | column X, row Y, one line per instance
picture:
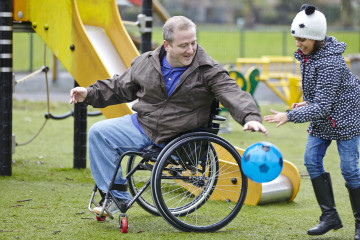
column 213, row 188
column 138, row 179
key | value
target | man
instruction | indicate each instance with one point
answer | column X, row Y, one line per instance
column 175, row 86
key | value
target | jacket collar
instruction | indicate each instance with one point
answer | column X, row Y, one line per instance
column 332, row 47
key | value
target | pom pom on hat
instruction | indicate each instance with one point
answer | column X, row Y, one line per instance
column 310, row 10
column 309, row 23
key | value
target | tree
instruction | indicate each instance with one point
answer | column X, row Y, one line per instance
column 253, row 15
column 347, row 14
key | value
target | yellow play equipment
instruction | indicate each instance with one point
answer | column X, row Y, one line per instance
column 280, row 73
column 283, row 188
column 88, row 37
column 90, row 40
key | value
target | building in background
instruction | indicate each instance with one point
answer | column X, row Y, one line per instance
column 340, row 13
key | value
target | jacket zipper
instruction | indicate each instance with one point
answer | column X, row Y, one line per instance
column 305, row 60
column 332, row 121
column 166, row 101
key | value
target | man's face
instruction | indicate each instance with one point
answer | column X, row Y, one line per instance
column 181, row 51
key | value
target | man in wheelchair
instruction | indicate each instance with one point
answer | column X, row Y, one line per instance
column 175, row 86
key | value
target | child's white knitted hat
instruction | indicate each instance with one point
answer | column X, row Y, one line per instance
column 309, row 23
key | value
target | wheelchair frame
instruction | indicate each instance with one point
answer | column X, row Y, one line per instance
column 191, row 179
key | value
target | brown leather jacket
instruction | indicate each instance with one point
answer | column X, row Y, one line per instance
column 187, row 108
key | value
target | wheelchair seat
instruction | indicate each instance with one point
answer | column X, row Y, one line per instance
column 151, row 152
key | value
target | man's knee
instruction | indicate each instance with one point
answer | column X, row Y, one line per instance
column 97, row 132
column 93, row 132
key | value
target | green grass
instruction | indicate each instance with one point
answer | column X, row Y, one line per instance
column 45, row 198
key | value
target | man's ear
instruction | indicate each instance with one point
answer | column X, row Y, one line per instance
column 166, row 45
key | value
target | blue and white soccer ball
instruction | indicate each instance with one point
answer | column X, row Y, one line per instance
column 262, row 162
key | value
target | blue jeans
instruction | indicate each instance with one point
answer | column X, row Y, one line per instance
column 108, row 139
column 349, row 158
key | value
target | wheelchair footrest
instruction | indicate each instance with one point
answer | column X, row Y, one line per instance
column 120, row 187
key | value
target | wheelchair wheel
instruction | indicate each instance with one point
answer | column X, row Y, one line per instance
column 197, row 183
column 138, row 179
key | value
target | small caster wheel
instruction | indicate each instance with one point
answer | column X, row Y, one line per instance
column 123, row 223
column 101, row 219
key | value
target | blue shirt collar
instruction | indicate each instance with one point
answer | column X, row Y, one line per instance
column 166, row 65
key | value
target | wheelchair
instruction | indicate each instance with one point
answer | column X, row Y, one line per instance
column 195, row 182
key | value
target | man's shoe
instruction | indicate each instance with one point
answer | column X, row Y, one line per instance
column 110, row 207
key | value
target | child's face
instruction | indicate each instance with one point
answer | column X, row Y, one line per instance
column 305, row 45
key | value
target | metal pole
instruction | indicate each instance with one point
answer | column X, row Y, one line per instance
column 6, row 30
column 80, row 135
column 147, row 10
column 284, row 33
column 242, row 43
column 31, row 52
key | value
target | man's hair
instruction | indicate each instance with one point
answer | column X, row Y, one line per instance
column 176, row 23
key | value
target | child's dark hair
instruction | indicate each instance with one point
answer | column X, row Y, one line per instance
column 318, row 45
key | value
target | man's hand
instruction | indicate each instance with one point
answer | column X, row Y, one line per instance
column 255, row 126
column 78, row 94
column 277, row 117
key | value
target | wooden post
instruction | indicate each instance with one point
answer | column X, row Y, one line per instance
column 147, row 11
column 6, row 89
column 80, row 134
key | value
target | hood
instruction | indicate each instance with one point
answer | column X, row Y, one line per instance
column 332, row 47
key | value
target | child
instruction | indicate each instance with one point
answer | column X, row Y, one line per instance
column 332, row 106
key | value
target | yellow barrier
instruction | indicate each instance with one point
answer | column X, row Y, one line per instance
column 280, row 73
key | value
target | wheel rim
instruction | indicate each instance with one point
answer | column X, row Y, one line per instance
column 213, row 209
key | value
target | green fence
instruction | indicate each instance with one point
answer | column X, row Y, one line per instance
column 223, row 43
column 226, row 46
column 226, row 43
